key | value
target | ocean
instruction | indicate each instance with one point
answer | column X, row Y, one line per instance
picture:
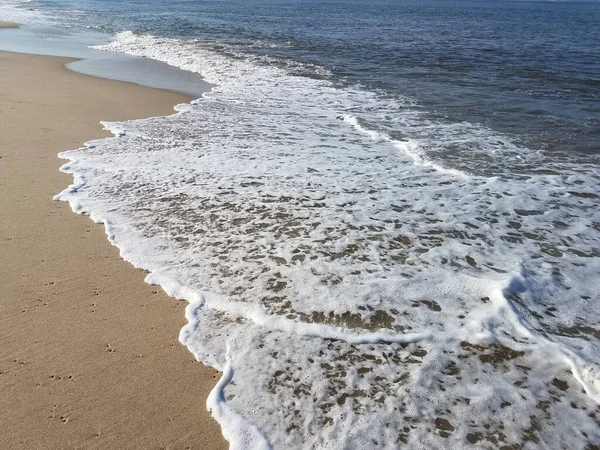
column 385, row 215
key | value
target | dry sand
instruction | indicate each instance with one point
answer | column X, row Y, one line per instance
column 89, row 356
column 8, row 24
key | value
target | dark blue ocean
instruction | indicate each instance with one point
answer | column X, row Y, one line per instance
column 528, row 68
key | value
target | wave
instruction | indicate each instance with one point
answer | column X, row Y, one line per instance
column 19, row 12
column 364, row 276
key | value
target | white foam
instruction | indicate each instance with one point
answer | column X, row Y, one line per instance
column 18, row 11
column 357, row 280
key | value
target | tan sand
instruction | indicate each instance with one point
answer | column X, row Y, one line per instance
column 8, row 24
column 89, row 356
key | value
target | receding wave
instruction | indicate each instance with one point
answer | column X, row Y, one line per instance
column 362, row 275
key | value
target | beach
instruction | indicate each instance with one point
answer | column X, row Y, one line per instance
column 90, row 355
column 8, row 25
column 381, row 220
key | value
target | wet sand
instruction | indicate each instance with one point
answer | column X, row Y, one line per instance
column 90, row 356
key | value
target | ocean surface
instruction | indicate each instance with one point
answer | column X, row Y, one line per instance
column 385, row 215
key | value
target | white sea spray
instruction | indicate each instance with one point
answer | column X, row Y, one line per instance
column 363, row 276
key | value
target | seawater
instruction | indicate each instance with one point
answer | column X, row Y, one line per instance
column 385, row 217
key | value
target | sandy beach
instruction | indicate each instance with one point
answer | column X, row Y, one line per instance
column 8, row 24
column 90, row 356
column 382, row 219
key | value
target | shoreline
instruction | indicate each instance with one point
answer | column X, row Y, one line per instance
column 91, row 356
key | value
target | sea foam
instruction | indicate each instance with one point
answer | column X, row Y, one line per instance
column 362, row 275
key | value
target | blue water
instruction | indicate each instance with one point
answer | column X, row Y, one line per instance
column 531, row 69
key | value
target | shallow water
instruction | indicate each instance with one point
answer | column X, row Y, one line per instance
column 373, row 258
